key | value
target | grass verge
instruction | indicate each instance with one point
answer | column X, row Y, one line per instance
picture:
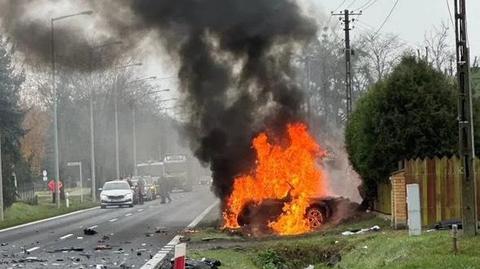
column 20, row 213
column 329, row 249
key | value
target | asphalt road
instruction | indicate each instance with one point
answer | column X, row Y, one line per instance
column 129, row 231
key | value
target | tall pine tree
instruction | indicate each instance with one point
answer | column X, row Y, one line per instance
column 11, row 117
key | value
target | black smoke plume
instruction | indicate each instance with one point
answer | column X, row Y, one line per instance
column 235, row 71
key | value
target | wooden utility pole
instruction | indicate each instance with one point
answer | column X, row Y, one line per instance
column 465, row 122
column 348, row 53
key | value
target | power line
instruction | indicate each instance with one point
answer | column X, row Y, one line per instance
column 371, row 4
column 364, row 4
column 353, row 2
column 339, row 6
column 450, row 13
column 388, row 17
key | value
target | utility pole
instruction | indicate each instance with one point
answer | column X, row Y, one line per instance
column 134, row 135
column 348, row 53
column 1, row 182
column 465, row 122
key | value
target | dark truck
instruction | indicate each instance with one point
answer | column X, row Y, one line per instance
column 176, row 171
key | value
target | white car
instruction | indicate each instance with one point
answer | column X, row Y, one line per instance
column 116, row 192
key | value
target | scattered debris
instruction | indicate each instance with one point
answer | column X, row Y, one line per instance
column 89, row 231
column 184, row 239
column 71, row 249
column 31, row 259
column 103, row 247
column 334, row 259
column 148, row 234
column 161, row 230
column 375, row 228
column 79, row 237
column 448, row 224
column 4, row 244
column 201, row 264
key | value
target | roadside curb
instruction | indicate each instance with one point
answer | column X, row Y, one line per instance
column 48, row 219
column 154, row 262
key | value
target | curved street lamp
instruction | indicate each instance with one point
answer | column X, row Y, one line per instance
column 54, row 90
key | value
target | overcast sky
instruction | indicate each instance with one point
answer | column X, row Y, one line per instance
column 410, row 19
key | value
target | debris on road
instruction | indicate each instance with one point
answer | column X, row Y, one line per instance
column 103, row 247
column 89, row 231
column 71, row 249
column 30, row 259
column 375, row 228
column 204, row 263
column 161, row 230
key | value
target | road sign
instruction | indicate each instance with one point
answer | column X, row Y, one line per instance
column 45, row 179
column 44, row 173
column 73, row 164
column 52, row 186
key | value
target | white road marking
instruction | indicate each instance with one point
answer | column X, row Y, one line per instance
column 157, row 259
column 32, row 249
column 202, row 215
column 66, row 236
column 140, row 210
column 128, row 215
column 113, row 220
column 49, row 219
column 92, row 227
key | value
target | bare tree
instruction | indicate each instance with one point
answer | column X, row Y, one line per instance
column 440, row 51
column 378, row 53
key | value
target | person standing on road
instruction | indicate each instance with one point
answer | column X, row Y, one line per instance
column 141, row 189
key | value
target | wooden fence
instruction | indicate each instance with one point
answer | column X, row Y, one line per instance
column 440, row 187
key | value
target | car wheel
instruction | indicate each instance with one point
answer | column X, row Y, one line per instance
column 103, row 206
column 315, row 217
column 130, row 205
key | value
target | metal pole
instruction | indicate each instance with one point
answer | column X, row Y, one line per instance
column 134, row 126
column 92, row 139
column 348, row 53
column 348, row 79
column 1, row 182
column 81, row 183
column 465, row 122
column 55, row 117
column 117, row 161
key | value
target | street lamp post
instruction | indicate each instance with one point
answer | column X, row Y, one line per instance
column 117, row 160
column 55, row 97
column 134, row 131
column 134, row 128
column 92, row 122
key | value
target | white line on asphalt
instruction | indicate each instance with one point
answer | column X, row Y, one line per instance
column 157, row 259
column 92, row 227
column 153, row 262
column 202, row 215
column 140, row 210
column 66, row 236
column 45, row 220
column 113, row 220
column 32, row 249
column 128, row 215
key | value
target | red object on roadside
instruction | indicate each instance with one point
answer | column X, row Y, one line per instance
column 52, row 186
column 180, row 253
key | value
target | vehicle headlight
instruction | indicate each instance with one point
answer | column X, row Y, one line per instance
column 103, row 197
column 129, row 195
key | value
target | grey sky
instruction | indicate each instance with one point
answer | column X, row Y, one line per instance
column 410, row 19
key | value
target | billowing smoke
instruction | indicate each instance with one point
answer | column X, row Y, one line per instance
column 235, row 72
column 234, row 68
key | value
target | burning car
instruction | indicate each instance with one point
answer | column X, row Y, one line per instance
column 258, row 216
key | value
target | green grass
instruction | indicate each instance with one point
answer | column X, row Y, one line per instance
column 384, row 249
column 20, row 213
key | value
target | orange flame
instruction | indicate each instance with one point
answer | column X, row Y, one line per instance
column 281, row 171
